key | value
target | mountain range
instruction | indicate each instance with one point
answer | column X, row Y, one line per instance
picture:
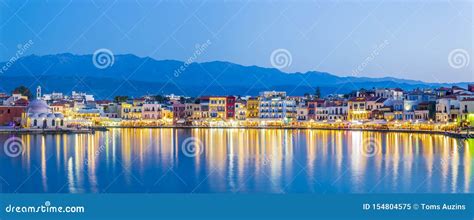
column 136, row 76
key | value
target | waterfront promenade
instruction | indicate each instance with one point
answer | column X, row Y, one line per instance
column 455, row 133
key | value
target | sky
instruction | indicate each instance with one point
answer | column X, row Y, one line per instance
column 428, row 40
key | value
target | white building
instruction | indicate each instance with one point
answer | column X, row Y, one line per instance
column 395, row 94
column 274, row 105
column 39, row 115
column 467, row 110
column 151, row 111
column 447, row 109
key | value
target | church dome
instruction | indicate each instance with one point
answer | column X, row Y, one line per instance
column 38, row 106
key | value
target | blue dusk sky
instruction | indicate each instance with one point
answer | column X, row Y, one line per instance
column 422, row 40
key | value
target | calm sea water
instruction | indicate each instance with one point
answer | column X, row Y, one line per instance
column 236, row 161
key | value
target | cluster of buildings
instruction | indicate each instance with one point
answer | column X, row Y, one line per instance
column 453, row 105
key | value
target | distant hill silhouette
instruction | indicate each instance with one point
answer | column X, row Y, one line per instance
column 136, row 76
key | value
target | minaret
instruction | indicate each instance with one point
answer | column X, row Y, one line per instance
column 38, row 92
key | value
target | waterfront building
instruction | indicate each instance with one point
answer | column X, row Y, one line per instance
column 39, row 115
column 130, row 111
column 358, row 109
column 252, row 105
column 274, row 105
column 373, row 104
column 447, row 109
column 179, row 115
column 167, row 112
column 240, row 110
column 12, row 115
column 108, row 109
column 91, row 114
column 336, row 110
column 204, row 106
column 193, row 111
column 383, row 113
column 395, row 111
column 151, row 110
column 230, row 107
column 467, row 112
column 321, row 112
column 421, row 115
column 217, row 106
column 302, row 112
column 313, row 106
column 409, row 107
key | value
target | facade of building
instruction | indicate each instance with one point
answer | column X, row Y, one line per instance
column 230, row 107
column 253, row 104
column 447, row 109
column 11, row 115
column 467, row 112
column 358, row 109
column 240, row 111
column 274, row 105
column 151, row 111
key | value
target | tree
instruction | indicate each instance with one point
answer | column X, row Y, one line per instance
column 317, row 93
column 120, row 99
column 160, row 98
column 23, row 90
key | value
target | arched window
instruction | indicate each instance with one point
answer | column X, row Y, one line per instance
column 35, row 122
column 62, row 122
column 53, row 122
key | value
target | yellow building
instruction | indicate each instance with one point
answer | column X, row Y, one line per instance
column 358, row 109
column 130, row 111
column 217, row 107
column 253, row 107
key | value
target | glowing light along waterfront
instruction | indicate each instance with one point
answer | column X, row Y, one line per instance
column 239, row 161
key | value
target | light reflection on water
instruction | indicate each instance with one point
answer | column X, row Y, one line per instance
column 239, row 160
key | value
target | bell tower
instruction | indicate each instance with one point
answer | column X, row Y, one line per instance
column 38, row 92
